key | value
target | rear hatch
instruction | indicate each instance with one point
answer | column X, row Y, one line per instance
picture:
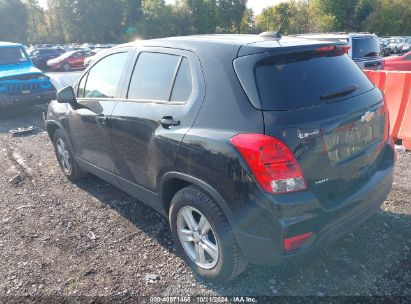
column 325, row 109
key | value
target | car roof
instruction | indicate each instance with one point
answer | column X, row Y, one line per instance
column 248, row 43
column 9, row 44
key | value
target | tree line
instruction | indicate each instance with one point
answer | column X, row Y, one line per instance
column 116, row 21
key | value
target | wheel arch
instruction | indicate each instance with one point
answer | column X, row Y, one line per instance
column 52, row 126
column 173, row 182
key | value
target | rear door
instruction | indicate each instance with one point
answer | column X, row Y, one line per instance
column 328, row 112
column 159, row 105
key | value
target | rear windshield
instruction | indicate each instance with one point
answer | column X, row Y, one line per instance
column 367, row 46
column 300, row 81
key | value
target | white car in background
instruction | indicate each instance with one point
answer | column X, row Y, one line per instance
column 396, row 44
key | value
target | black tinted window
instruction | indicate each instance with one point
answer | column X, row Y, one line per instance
column 104, row 77
column 183, row 83
column 290, row 82
column 12, row 55
column 153, row 76
column 366, row 46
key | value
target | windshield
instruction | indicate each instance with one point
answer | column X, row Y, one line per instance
column 12, row 55
column 367, row 46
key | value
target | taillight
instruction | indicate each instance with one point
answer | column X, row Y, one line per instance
column 271, row 162
column 328, row 48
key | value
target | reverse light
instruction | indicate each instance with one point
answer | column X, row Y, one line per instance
column 294, row 243
column 271, row 162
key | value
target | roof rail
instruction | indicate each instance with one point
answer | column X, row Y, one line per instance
column 272, row 35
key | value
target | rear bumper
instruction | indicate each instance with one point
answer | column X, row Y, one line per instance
column 299, row 213
column 370, row 64
column 26, row 99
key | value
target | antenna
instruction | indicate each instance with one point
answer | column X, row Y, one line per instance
column 286, row 18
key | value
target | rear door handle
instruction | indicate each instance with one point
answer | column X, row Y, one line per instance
column 168, row 122
column 101, row 119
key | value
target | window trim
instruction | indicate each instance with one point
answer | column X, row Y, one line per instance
column 85, row 77
column 168, row 102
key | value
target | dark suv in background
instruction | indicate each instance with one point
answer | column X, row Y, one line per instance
column 41, row 56
column 256, row 148
column 364, row 48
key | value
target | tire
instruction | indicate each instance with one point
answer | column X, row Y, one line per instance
column 66, row 67
column 65, row 158
column 230, row 262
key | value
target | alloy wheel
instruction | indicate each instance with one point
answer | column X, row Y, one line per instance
column 197, row 237
column 63, row 156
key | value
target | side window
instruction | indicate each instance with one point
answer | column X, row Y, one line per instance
column 183, row 84
column 408, row 57
column 153, row 76
column 104, row 77
column 82, row 84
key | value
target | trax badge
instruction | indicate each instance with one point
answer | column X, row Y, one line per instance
column 367, row 117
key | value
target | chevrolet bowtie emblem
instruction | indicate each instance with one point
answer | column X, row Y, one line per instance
column 367, row 117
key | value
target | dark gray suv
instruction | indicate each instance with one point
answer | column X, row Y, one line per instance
column 256, row 148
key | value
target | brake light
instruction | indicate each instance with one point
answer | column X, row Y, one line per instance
column 327, row 48
column 271, row 162
column 346, row 48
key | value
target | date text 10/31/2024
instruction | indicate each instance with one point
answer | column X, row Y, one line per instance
column 205, row 299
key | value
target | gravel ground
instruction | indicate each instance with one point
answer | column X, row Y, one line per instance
column 91, row 239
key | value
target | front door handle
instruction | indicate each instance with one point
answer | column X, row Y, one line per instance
column 168, row 122
column 101, row 119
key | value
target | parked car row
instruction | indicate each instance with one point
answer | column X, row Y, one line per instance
column 63, row 57
column 395, row 45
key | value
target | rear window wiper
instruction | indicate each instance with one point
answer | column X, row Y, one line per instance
column 341, row 92
column 371, row 54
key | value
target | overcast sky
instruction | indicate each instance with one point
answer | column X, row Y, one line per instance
column 256, row 5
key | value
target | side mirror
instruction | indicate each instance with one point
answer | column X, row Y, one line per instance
column 66, row 95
